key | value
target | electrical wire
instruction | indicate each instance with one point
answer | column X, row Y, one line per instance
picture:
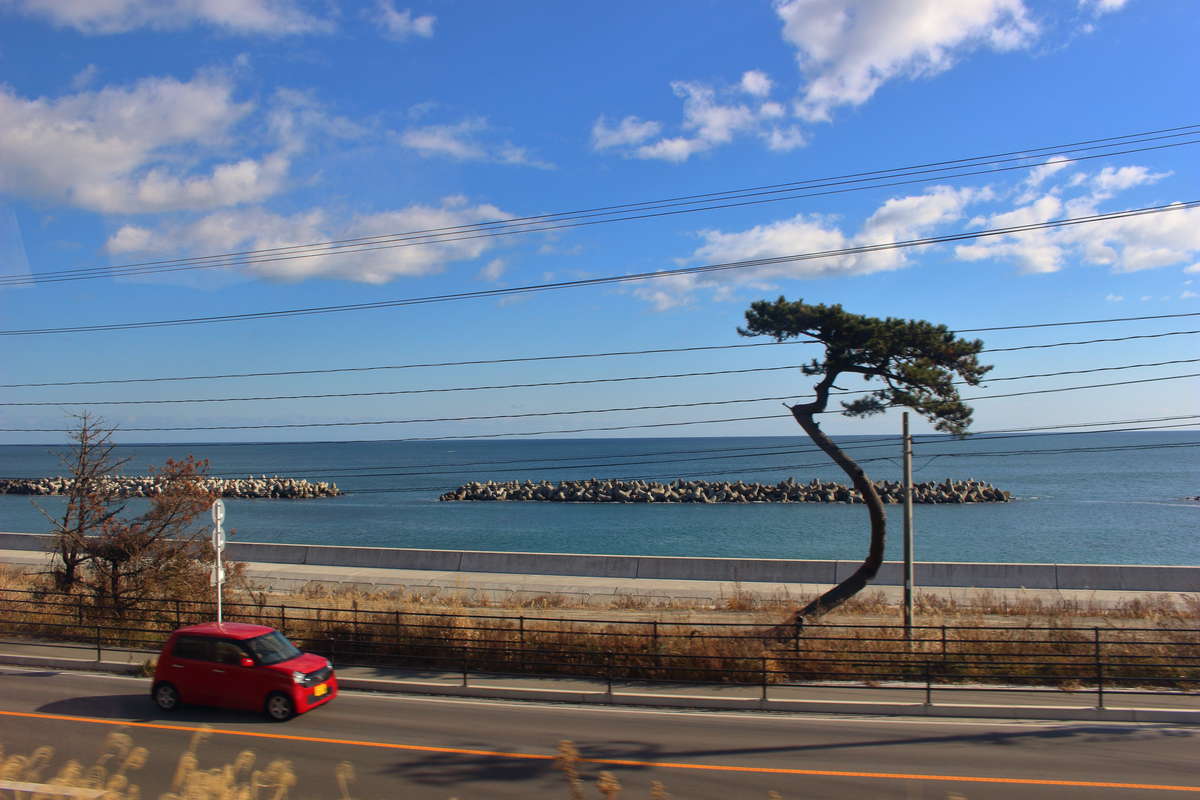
column 538, row 385
column 891, row 440
column 814, row 465
column 612, row 279
column 541, row 466
column 635, row 210
column 531, row 359
column 574, row 412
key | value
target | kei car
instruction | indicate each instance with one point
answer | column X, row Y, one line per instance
column 242, row 666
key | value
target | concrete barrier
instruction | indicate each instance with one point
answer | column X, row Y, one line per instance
column 736, row 569
column 1126, row 577
column 1133, row 577
column 1015, row 576
column 599, row 566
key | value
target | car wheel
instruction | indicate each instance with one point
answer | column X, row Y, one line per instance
column 279, row 707
column 166, row 697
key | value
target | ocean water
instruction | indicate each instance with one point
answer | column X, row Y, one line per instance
column 1115, row 498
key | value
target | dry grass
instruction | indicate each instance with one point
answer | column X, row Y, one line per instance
column 1143, row 642
column 120, row 762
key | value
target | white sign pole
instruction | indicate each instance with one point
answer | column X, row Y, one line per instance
column 218, row 517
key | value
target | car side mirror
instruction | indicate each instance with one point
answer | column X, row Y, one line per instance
column 247, row 661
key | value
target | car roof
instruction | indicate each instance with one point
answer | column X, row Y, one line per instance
column 227, row 630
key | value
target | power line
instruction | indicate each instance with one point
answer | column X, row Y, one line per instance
column 611, row 279
column 636, row 210
column 746, row 451
column 656, row 351
column 1088, row 341
column 793, row 467
column 477, row 362
column 665, row 406
column 540, row 465
column 537, row 385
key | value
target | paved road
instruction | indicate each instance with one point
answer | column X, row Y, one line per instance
column 440, row 748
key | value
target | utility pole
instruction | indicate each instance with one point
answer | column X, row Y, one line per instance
column 908, row 531
column 218, row 540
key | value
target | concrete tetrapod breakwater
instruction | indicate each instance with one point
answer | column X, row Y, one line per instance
column 274, row 486
column 680, row 491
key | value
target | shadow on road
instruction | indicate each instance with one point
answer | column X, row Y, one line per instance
column 448, row 769
column 140, row 708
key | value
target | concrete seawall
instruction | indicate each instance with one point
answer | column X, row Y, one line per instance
column 1101, row 577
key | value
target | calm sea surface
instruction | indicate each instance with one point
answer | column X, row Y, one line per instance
column 1120, row 501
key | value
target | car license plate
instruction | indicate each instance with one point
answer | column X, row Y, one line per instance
column 320, row 689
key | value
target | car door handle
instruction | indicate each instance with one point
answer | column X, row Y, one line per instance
column 219, row 670
column 178, row 666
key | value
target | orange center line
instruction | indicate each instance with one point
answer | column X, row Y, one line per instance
column 610, row 761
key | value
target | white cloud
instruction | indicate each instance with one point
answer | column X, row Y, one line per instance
column 1128, row 244
column 257, row 229
column 267, row 17
column 463, row 141
column 85, row 77
column 1188, row 294
column 120, row 149
column 1099, row 7
column 629, row 131
column 782, row 140
column 849, row 48
column 1113, row 298
column 493, row 270
column 1040, row 173
column 158, row 145
column 899, row 219
column 400, row 25
column 453, row 141
column 1117, row 179
column 712, row 117
column 677, row 149
column 756, row 82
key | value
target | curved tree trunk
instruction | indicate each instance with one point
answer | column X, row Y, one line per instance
column 804, row 414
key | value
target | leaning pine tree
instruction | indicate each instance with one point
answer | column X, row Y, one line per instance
column 915, row 360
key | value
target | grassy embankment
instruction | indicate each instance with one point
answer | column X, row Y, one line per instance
column 996, row 639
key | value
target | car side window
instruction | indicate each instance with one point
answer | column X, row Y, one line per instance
column 227, row 652
column 193, row 647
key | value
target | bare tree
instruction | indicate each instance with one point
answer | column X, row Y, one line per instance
column 92, row 501
column 164, row 552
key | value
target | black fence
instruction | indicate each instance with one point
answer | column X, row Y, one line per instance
column 1103, row 660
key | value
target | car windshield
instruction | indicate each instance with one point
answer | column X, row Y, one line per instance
column 271, row 648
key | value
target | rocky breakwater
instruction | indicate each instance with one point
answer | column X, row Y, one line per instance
column 680, row 491
column 273, row 487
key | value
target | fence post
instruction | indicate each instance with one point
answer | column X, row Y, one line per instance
column 79, row 608
column 928, row 683
column 763, row 698
column 521, row 641
column 943, row 643
column 608, row 665
column 282, row 617
column 465, row 666
column 1099, row 669
column 98, row 658
column 178, row 615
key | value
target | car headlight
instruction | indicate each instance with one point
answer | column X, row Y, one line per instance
column 298, row 677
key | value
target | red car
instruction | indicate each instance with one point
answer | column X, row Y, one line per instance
column 236, row 665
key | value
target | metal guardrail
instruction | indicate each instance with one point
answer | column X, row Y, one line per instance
column 1100, row 660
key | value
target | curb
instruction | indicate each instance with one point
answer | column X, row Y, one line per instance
column 849, row 707
column 648, row 700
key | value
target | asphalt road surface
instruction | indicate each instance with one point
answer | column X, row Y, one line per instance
column 410, row 747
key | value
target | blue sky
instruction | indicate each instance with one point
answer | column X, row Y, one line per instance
column 138, row 131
